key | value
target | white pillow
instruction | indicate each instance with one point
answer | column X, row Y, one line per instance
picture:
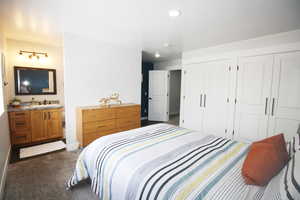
column 293, row 145
column 286, row 184
column 290, row 183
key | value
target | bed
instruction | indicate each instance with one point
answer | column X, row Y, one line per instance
column 164, row 162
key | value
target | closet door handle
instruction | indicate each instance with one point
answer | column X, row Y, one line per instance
column 273, row 105
column 204, row 100
column 201, row 100
column 266, row 106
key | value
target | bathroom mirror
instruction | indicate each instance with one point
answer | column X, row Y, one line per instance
column 34, row 81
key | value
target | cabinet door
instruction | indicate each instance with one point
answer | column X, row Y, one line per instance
column 194, row 80
column 285, row 106
column 253, row 97
column 54, row 124
column 38, row 125
column 218, row 113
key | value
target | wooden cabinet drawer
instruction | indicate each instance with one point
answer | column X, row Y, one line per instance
column 19, row 121
column 129, row 127
column 123, row 122
column 19, row 114
column 89, row 138
column 98, row 115
column 21, row 137
column 128, row 112
column 99, row 126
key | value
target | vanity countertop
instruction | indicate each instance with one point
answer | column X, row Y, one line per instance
column 34, row 107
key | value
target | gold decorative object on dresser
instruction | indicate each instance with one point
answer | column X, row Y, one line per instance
column 96, row 121
column 36, row 125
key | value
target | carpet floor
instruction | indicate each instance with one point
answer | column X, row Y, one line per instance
column 44, row 178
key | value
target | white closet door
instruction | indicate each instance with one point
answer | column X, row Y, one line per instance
column 194, row 99
column 285, row 114
column 217, row 102
column 253, row 97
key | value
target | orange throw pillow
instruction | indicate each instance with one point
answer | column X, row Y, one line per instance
column 279, row 142
column 265, row 159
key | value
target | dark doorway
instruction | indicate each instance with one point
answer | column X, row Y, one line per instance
column 146, row 67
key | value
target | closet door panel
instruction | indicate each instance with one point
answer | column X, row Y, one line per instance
column 253, row 97
column 286, row 95
column 193, row 87
column 217, row 109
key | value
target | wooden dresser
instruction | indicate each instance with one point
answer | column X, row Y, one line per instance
column 34, row 126
column 97, row 121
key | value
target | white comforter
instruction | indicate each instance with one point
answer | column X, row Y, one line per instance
column 164, row 162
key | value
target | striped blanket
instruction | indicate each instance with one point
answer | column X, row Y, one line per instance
column 164, row 162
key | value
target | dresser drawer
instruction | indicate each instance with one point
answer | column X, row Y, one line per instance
column 98, row 114
column 128, row 112
column 89, row 138
column 129, row 127
column 21, row 137
column 99, row 126
column 123, row 122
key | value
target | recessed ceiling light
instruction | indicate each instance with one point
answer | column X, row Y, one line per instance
column 157, row 55
column 174, row 13
column 166, row 44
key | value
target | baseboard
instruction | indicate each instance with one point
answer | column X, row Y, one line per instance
column 72, row 146
column 4, row 174
column 174, row 113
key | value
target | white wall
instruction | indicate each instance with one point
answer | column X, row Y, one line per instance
column 54, row 61
column 260, row 45
column 175, row 87
column 94, row 70
column 4, row 133
column 168, row 65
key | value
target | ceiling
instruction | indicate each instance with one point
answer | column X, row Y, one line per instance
column 146, row 24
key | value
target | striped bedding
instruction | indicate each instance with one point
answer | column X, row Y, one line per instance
column 164, row 162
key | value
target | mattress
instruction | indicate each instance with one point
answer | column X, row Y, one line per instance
column 164, row 162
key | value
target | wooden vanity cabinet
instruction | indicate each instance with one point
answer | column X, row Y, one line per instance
column 35, row 125
column 20, row 127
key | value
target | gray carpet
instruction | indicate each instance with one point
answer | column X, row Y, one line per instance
column 44, row 178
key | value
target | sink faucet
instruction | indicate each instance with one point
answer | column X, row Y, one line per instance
column 32, row 101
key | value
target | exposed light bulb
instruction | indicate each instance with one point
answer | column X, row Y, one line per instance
column 21, row 56
column 157, row 55
column 174, row 13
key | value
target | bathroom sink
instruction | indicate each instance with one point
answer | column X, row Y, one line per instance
column 35, row 107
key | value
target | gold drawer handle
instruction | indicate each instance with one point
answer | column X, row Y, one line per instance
column 20, row 123
column 18, row 114
column 19, row 137
column 101, row 126
column 128, row 121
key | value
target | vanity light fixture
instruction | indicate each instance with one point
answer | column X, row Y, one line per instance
column 33, row 54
